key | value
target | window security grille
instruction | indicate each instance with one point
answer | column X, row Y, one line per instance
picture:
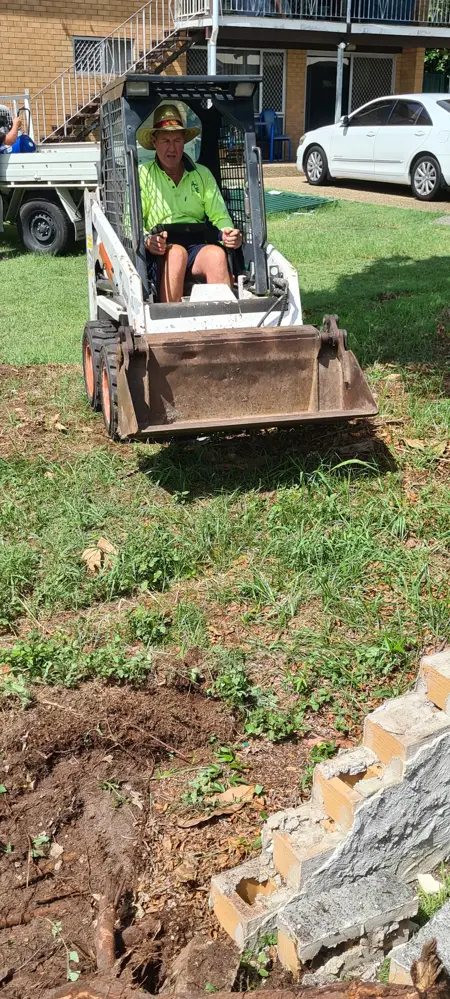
column 102, row 56
column 370, row 78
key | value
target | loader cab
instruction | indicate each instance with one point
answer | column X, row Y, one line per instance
column 224, row 109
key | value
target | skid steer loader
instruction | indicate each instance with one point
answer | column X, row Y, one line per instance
column 220, row 358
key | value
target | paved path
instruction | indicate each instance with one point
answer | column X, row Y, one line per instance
column 392, row 195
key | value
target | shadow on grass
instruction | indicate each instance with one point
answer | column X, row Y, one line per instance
column 395, row 310
column 266, row 460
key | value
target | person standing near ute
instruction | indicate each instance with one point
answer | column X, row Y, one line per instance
column 175, row 190
column 8, row 135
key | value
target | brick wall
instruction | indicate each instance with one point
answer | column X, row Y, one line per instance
column 295, row 95
column 39, row 36
column 409, row 71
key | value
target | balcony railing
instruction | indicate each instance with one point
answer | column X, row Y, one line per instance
column 427, row 13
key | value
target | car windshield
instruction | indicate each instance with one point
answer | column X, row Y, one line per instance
column 445, row 105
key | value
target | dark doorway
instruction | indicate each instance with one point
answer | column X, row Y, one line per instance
column 321, row 93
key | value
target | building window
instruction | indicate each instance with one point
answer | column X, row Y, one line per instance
column 247, row 62
column 102, row 55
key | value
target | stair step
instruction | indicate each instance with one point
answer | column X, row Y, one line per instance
column 343, row 783
column 402, row 726
column 339, row 915
column 300, row 851
column 435, row 674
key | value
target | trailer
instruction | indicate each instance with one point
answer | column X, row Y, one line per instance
column 43, row 193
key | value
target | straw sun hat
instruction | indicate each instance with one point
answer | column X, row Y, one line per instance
column 167, row 118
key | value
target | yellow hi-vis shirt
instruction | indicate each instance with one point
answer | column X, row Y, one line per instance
column 195, row 199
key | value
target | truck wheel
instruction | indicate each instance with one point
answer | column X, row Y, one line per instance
column 95, row 334
column 44, row 227
column 108, row 388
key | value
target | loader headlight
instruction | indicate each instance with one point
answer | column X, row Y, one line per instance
column 302, row 139
column 138, row 88
column 244, row 89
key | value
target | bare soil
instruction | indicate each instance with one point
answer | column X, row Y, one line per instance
column 87, row 769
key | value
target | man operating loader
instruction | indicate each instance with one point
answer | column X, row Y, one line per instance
column 175, row 190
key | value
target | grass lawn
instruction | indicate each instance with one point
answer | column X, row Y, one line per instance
column 309, row 568
column 179, row 618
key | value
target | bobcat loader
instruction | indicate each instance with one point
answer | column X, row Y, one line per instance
column 220, row 358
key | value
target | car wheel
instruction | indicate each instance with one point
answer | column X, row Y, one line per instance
column 316, row 166
column 426, row 178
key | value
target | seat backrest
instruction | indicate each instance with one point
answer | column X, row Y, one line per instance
column 269, row 117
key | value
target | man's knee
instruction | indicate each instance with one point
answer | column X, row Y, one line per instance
column 216, row 256
column 176, row 256
column 213, row 262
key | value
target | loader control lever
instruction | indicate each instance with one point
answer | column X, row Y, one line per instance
column 201, row 232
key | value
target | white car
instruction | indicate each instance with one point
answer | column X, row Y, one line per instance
column 398, row 140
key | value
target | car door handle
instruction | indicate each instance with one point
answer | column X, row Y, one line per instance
column 370, row 133
column 419, row 133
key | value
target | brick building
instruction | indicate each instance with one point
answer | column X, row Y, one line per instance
column 292, row 43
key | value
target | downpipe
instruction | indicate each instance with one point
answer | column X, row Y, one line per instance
column 212, row 40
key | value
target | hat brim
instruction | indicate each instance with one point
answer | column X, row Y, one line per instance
column 146, row 136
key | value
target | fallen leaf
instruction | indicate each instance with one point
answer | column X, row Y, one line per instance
column 436, row 446
column 185, row 872
column 93, row 559
column 136, row 799
column 106, row 546
column 241, row 793
column 99, row 556
column 199, row 820
column 56, row 850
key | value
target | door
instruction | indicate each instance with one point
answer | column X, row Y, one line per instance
column 353, row 144
column 321, row 93
column 404, row 134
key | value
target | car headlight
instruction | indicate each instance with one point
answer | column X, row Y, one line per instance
column 302, row 139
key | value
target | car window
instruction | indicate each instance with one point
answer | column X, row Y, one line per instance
column 409, row 113
column 378, row 114
column 445, row 105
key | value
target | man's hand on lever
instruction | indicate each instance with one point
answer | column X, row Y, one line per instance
column 231, row 239
column 157, row 244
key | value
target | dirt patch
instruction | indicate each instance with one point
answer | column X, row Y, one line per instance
column 42, row 412
column 86, row 804
column 94, row 784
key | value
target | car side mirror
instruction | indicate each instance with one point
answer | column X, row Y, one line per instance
column 344, row 121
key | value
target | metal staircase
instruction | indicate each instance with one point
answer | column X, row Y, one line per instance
column 67, row 109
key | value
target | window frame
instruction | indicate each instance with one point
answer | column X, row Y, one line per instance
column 413, row 124
column 372, row 107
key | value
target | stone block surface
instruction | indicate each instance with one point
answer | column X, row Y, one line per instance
column 291, row 820
column 435, row 674
column 400, row 727
column 402, row 957
column 246, row 900
column 299, row 853
column 333, row 916
column 405, row 830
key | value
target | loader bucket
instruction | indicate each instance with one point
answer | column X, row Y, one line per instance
column 233, row 379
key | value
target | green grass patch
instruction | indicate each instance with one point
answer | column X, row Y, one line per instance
column 429, row 905
column 307, row 569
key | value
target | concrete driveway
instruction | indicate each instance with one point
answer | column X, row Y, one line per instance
column 286, row 177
